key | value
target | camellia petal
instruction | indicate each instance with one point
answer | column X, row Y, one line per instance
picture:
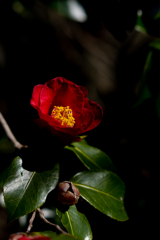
column 64, row 106
column 97, row 112
column 48, row 95
column 84, row 90
column 85, row 120
column 61, row 92
column 35, row 95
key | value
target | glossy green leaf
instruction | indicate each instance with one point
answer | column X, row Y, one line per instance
column 76, row 223
column 104, row 190
column 93, row 158
column 65, row 237
column 25, row 191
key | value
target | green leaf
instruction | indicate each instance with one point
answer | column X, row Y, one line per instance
column 65, row 237
column 76, row 223
column 144, row 92
column 155, row 44
column 53, row 235
column 50, row 234
column 93, row 158
column 104, row 190
column 3, row 176
column 6, row 146
column 139, row 26
column 157, row 16
column 26, row 191
column 65, row 8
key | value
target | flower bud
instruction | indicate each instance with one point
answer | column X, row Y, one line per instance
column 67, row 194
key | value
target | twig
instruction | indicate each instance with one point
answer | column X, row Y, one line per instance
column 52, row 224
column 31, row 222
column 10, row 134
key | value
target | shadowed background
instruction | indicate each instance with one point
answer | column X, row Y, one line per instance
column 100, row 48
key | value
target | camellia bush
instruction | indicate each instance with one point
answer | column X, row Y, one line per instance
column 66, row 114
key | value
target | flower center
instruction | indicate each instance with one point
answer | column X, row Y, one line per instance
column 63, row 115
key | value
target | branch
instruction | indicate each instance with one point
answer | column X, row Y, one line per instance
column 10, row 134
column 52, row 224
column 31, row 222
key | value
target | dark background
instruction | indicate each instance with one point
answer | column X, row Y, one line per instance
column 106, row 54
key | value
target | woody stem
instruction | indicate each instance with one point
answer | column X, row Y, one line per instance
column 41, row 214
column 9, row 133
column 31, row 222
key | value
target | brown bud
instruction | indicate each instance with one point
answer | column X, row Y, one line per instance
column 67, row 194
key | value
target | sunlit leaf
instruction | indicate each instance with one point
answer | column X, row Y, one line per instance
column 76, row 223
column 25, row 191
column 93, row 158
column 70, row 8
column 104, row 190
column 139, row 26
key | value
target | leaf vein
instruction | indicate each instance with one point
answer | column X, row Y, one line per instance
column 85, row 155
column 23, row 193
column 70, row 223
column 96, row 190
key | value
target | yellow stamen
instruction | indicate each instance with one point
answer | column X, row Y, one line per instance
column 64, row 116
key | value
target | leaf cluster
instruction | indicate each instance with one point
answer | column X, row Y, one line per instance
column 25, row 191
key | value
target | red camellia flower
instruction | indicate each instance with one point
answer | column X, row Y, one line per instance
column 65, row 107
